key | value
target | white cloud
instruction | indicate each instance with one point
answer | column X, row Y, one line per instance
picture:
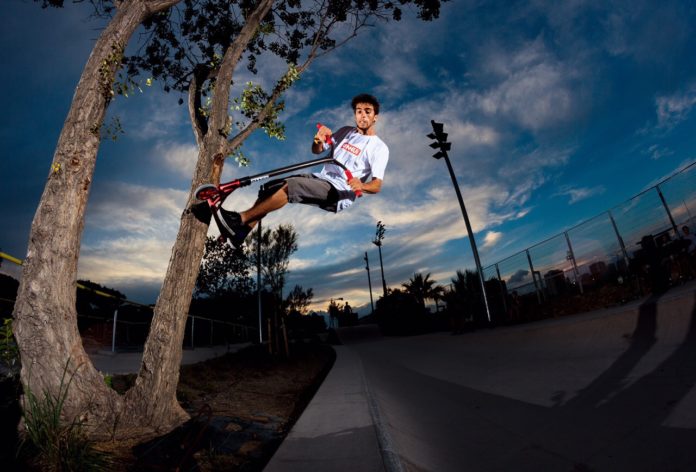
column 135, row 209
column 152, row 115
column 491, row 238
column 673, row 109
column 125, row 260
column 577, row 194
column 658, row 152
column 533, row 88
column 130, row 230
column 179, row 158
column 399, row 47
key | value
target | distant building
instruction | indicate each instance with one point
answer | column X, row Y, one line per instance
column 598, row 270
column 556, row 283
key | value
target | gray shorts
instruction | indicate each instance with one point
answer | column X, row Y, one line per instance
column 308, row 190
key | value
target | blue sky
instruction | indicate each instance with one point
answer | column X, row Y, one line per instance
column 556, row 112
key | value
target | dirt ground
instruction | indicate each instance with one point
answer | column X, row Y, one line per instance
column 242, row 405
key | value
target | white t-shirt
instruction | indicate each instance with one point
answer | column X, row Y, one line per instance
column 365, row 156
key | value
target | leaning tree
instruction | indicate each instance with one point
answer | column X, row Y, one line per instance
column 195, row 49
column 45, row 317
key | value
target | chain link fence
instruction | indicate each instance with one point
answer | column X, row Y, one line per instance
column 635, row 248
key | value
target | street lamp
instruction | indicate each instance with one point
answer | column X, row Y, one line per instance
column 369, row 281
column 379, row 236
column 441, row 143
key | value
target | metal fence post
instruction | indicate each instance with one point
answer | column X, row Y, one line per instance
column 503, row 294
column 113, row 334
column 571, row 254
column 669, row 213
column 620, row 238
column 531, row 267
column 258, row 280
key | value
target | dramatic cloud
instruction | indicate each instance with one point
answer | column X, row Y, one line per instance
column 125, row 261
column 534, row 96
column 135, row 209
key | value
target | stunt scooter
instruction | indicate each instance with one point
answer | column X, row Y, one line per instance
column 215, row 195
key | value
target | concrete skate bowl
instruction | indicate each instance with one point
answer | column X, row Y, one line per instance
column 611, row 390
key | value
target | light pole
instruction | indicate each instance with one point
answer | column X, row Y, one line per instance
column 379, row 236
column 369, row 281
column 258, row 281
column 441, row 143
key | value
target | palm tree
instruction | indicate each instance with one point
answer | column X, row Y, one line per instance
column 464, row 293
column 423, row 288
column 438, row 294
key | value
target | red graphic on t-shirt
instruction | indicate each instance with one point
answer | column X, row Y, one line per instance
column 351, row 149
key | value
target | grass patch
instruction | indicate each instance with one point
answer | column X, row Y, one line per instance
column 54, row 444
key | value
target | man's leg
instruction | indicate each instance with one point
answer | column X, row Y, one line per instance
column 263, row 207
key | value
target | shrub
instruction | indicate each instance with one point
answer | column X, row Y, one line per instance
column 399, row 313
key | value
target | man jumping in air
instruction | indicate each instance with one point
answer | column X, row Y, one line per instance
column 358, row 148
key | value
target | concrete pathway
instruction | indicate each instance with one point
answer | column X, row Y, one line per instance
column 336, row 432
column 129, row 362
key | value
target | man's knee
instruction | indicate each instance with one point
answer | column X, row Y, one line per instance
column 271, row 188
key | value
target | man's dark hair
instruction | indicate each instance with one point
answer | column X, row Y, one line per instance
column 365, row 98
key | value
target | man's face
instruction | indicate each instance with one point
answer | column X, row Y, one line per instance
column 365, row 116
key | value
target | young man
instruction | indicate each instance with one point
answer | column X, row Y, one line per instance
column 358, row 148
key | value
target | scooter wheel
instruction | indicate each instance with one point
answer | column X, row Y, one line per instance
column 206, row 191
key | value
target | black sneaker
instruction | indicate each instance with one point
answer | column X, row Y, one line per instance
column 232, row 228
column 201, row 211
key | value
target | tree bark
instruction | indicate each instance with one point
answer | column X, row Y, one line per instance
column 152, row 399
column 45, row 315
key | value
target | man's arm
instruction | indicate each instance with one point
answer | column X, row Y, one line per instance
column 320, row 139
column 373, row 186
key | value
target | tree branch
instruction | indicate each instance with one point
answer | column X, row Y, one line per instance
column 282, row 85
column 198, row 122
column 156, row 6
column 219, row 113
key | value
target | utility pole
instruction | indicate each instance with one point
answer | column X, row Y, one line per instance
column 369, row 282
column 379, row 236
column 258, row 281
column 441, row 143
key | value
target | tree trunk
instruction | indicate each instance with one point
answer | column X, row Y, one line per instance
column 45, row 315
column 152, row 399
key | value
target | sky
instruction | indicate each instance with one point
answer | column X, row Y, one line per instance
column 556, row 111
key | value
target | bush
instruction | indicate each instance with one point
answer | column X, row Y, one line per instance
column 399, row 313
